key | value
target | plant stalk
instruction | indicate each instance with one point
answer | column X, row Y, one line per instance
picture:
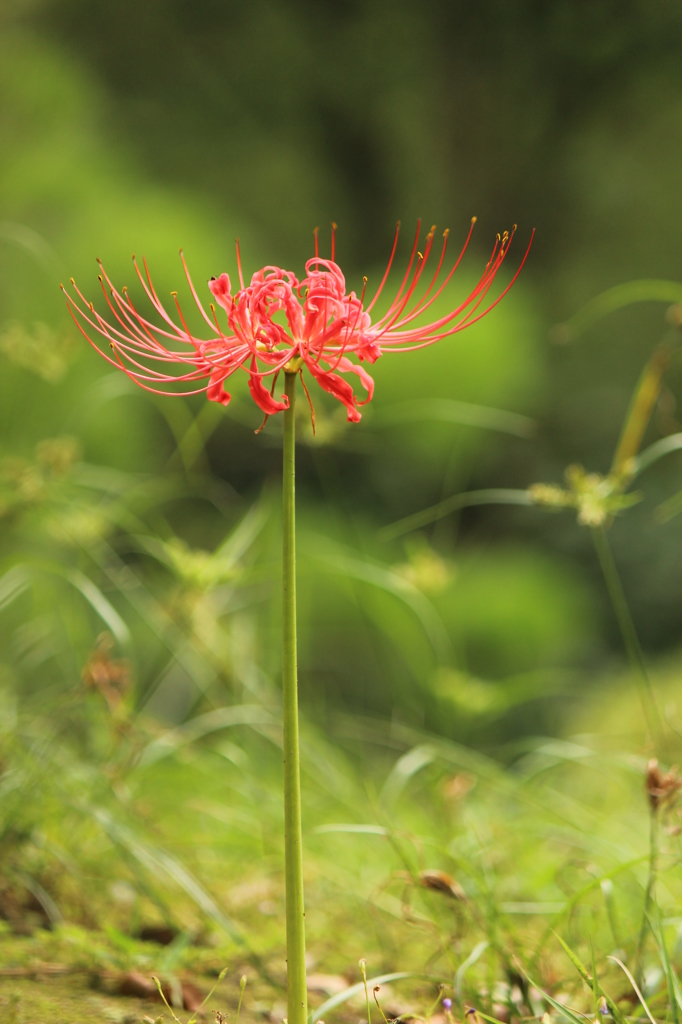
column 614, row 586
column 297, row 997
column 649, row 892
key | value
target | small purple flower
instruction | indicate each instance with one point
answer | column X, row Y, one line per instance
column 447, row 1004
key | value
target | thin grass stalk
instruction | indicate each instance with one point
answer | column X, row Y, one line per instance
column 297, row 998
column 649, row 893
column 629, row 634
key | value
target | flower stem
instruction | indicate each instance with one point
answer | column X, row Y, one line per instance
column 649, row 892
column 614, row 586
column 293, row 843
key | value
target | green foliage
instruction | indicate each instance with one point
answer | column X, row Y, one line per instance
column 465, row 726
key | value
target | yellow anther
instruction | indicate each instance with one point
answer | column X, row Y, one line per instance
column 474, row 219
column 446, row 232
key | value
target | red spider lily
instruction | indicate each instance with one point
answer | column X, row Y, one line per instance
column 318, row 328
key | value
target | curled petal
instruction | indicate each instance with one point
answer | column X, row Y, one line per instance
column 215, row 391
column 367, row 349
column 261, row 396
column 220, row 288
column 338, row 387
column 276, row 318
column 367, row 382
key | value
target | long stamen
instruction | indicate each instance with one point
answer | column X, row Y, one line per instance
column 177, row 306
column 388, row 268
column 193, row 290
column 445, row 282
column 397, row 309
column 395, row 323
column 434, row 331
column 239, row 265
column 215, row 317
column 310, row 401
column 422, row 304
column 151, row 295
column 405, row 279
column 126, row 328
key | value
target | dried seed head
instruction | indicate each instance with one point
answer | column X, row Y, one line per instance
column 661, row 786
column 439, row 881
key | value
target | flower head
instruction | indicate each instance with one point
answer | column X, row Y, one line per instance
column 277, row 322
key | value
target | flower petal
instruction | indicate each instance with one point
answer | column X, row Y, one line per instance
column 336, row 386
column 220, row 288
column 215, row 391
column 261, row 396
column 367, row 382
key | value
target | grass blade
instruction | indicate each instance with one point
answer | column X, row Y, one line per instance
column 673, row 984
column 634, row 985
column 353, row 990
column 591, row 980
column 473, row 958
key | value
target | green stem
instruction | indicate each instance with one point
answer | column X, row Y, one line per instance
column 629, row 634
column 293, row 842
column 648, row 892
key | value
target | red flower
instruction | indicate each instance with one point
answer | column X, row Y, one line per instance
column 279, row 323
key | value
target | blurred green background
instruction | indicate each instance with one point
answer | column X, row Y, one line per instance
column 466, row 701
column 135, row 127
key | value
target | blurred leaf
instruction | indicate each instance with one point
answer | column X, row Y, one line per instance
column 473, row 958
column 617, row 298
column 465, row 413
column 404, row 769
column 492, row 496
column 656, row 451
column 155, row 860
column 339, row 560
column 32, row 242
column 203, row 725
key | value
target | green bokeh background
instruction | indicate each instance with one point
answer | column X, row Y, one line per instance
column 141, row 127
